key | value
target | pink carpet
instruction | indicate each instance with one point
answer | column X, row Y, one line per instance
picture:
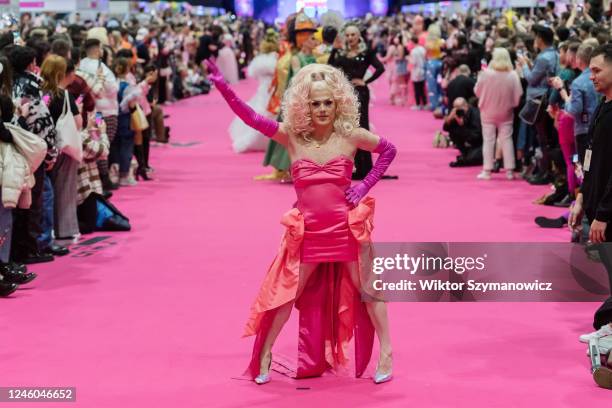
column 153, row 318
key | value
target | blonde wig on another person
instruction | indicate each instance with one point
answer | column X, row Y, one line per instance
column 362, row 44
column 270, row 42
column 296, row 101
column 115, row 40
column 434, row 32
column 500, row 60
column 228, row 40
column 53, row 71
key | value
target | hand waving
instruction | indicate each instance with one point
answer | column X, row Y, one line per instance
column 213, row 71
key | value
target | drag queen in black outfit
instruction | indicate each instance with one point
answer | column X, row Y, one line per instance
column 354, row 60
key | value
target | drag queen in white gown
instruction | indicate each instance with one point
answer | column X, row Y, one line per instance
column 226, row 61
column 262, row 68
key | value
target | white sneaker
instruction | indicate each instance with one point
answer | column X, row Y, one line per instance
column 605, row 330
column 127, row 182
column 484, row 175
column 510, row 175
column 602, row 350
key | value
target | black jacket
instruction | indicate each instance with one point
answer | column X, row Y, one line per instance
column 471, row 131
column 597, row 185
column 204, row 51
column 461, row 86
column 39, row 121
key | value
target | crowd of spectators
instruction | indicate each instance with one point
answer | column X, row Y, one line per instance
column 514, row 90
column 82, row 104
column 528, row 92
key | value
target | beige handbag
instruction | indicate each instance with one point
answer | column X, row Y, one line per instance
column 139, row 120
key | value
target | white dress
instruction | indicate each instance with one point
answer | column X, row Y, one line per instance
column 243, row 137
column 226, row 61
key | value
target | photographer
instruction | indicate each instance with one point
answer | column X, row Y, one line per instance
column 465, row 131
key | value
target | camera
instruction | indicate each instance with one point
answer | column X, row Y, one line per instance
column 460, row 113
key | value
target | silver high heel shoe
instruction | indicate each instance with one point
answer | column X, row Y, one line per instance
column 264, row 378
column 380, row 378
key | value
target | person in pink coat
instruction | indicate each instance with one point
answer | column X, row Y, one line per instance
column 499, row 91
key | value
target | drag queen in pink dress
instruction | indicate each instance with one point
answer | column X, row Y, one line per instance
column 323, row 264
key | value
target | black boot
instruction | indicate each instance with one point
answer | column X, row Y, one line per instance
column 141, row 171
column 34, row 258
column 551, row 222
column 57, row 250
column 541, row 179
column 107, row 184
column 6, row 288
column 16, row 275
column 146, row 148
column 19, row 267
column 518, row 166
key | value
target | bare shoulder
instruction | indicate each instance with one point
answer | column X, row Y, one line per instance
column 283, row 127
column 358, row 132
column 282, row 135
column 363, row 139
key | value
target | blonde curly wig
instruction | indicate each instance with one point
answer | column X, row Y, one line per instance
column 296, row 101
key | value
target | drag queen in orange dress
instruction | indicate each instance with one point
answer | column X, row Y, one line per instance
column 323, row 264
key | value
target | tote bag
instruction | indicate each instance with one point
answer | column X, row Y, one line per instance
column 533, row 109
column 139, row 119
column 536, row 107
column 32, row 147
column 68, row 138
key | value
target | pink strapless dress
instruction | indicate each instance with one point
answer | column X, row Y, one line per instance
column 322, row 228
column 321, row 199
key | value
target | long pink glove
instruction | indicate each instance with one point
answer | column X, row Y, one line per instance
column 386, row 151
column 258, row 122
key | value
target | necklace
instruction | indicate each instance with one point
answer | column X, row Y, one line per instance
column 317, row 143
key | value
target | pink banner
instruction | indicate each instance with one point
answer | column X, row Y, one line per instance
column 32, row 4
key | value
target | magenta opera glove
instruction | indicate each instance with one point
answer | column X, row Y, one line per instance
column 266, row 126
column 386, row 151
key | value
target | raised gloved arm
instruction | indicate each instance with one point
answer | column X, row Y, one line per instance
column 266, row 126
column 386, row 151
